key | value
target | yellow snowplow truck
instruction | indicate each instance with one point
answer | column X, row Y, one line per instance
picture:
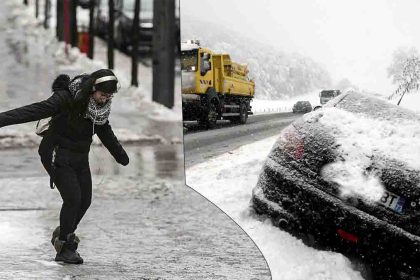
column 214, row 87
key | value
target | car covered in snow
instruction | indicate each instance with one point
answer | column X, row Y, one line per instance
column 347, row 178
column 302, row 107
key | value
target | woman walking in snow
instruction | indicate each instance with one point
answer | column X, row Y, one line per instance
column 79, row 108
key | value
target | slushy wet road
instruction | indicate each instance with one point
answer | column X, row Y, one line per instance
column 201, row 145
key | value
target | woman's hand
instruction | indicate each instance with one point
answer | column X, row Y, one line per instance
column 123, row 159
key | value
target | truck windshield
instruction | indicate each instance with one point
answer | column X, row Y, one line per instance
column 189, row 61
column 327, row 93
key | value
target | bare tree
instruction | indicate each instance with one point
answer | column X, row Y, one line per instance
column 405, row 71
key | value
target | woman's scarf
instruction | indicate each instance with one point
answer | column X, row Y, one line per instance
column 97, row 113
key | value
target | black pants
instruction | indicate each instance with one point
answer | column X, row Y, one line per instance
column 74, row 182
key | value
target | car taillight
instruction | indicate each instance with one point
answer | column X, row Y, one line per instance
column 299, row 150
column 293, row 143
column 347, row 236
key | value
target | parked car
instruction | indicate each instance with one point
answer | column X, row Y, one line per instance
column 347, row 178
column 124, row 16
column 302, row 107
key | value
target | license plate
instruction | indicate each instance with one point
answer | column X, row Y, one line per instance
column 392, row 201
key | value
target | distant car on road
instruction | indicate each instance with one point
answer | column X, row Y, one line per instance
column 302, row 107
column 345, row 178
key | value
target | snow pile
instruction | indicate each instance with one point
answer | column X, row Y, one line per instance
column 360, row 139
column 351, row 176
column 233, row 176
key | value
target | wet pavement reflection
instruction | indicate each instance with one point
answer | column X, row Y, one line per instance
column 160, row 161
column 144, row 223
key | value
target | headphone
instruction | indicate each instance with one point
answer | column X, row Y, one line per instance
column 104, row 79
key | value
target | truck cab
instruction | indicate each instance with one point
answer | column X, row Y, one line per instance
column 327, row 95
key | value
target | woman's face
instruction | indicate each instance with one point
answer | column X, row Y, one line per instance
column 101, row 97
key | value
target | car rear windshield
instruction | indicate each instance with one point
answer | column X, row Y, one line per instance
column 375, row 107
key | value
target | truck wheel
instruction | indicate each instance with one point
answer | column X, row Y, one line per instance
column 209, row 120
column 212, row 116
column 243, row 117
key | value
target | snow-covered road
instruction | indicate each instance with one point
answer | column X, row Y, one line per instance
column 230, row 180
column 202, row 145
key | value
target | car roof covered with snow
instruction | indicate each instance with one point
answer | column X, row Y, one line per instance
column 364, row 124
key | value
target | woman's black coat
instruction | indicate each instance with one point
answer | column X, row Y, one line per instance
column 62, row 132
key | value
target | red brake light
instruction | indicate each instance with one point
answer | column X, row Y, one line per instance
column 348, row 236
column 294, row 145
column 299, row 149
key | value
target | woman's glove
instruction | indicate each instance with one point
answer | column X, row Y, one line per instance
column 123, row 158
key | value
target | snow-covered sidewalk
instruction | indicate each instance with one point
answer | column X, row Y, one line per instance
column 230, row 180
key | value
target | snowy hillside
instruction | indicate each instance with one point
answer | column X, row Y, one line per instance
column 277, row 74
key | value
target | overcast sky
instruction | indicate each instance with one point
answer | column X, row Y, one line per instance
column 353, row 38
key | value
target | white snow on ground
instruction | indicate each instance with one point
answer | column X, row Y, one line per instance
column 410, row 101
column 228, row 180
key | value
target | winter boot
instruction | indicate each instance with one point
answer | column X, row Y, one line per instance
column 56, row 234
column 66, row 250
